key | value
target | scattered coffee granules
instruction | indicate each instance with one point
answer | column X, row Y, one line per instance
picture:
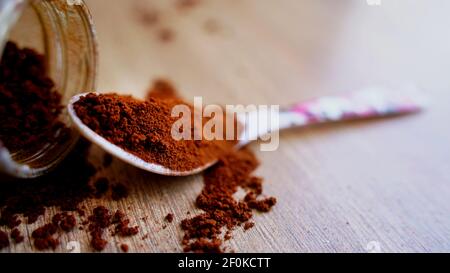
column 4, row 241
column 43, row 237
column 222, row 210
column 65, row 221
column 29, row 104
column 122, row 225
column 262, row 205
column 249, row 225
column 124, row 247
column 65, row 188
column 144, row 128
column 102, row 219
column 70, row 184
column 228, row 235
column 169, row 217
column 17, row 236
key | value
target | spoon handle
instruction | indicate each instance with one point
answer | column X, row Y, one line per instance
column 370, row 103
column 366, row 104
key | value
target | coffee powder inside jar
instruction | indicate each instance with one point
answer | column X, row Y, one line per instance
column 29, row 104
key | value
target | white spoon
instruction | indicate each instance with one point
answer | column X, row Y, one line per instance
column 369, row 103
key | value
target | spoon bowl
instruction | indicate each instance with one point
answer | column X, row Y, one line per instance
column 121, row 153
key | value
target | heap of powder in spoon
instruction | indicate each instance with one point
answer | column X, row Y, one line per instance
column 144, row 128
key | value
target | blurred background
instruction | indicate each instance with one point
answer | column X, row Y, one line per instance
column 254, row 50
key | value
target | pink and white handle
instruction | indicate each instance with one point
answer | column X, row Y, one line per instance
column 370, row 103
column 360, row 105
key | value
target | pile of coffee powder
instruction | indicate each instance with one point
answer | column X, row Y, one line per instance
column 144, row 128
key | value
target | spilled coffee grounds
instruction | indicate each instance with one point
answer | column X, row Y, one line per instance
column 17, row 236
column 222, row 212
column 169, row 218
column 65, row 189
column 102, row 219
column 124, row 247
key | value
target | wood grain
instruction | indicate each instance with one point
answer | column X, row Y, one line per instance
column 339, row 187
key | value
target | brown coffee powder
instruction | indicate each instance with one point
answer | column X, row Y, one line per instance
column 222, row 212
column 144, row 128
column 65, row 189
column 29, row 103
column 17, row 236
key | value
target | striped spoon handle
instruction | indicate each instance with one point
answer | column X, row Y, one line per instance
column 366, row 104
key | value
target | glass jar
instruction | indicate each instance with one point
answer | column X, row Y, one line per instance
column 63, row 31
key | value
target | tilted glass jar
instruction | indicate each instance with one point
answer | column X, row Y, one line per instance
column 63, row 31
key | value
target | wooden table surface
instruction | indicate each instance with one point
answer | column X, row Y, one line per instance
column 354, row 187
